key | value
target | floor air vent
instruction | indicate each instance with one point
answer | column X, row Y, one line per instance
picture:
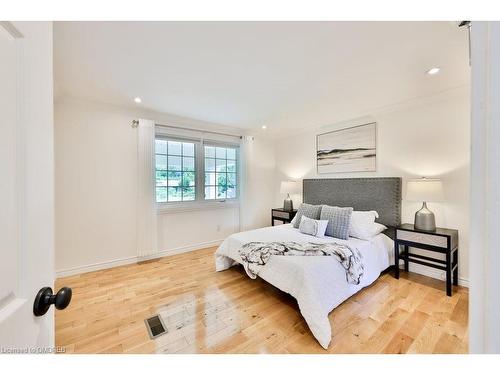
column 155, row 326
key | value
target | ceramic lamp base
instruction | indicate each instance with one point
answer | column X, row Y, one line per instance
column 288, row 204
column 424, row 219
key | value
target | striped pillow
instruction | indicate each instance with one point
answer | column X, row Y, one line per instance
column 309, row 210
column 339, row 221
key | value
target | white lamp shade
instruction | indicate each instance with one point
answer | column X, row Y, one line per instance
column 424, row 190
column 290, row 187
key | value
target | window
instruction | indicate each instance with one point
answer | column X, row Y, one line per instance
column 220, row 172
column 194, row 171
column 175, row 171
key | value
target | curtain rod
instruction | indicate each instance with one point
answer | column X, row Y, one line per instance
column 135, row 123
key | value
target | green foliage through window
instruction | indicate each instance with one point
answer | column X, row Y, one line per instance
column 175, row 171
column 220, row 172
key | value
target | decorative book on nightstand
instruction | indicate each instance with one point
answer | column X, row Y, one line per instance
column 282, row 215
column 442, row 241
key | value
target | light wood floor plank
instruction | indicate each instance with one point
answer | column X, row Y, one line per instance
column 226, row 312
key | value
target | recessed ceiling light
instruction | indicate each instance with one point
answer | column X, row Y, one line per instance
column 264, row 127
column 137, row 99
column 433, row 71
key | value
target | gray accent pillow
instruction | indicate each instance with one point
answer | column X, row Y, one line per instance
column 339, row 221
column 309, row 210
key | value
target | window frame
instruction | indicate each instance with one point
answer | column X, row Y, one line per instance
column 182, row 171
column 237, row 160
column 199, row 155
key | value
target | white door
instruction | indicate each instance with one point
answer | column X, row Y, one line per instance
column 26, row 249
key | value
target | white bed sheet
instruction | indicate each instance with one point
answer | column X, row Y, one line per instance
column 318, row 283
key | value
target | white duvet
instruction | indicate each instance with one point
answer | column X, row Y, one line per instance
column 318, row 283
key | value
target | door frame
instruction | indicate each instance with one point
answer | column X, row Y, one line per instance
column 484, row 255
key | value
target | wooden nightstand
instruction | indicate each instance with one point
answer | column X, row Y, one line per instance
column 282, row 215
column 444, row 241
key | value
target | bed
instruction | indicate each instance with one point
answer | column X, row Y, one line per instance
column 318, row 283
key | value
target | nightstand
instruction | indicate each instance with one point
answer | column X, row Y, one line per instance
column 441, row 241
column 282, row 215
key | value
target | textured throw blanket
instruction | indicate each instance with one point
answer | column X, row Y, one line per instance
column 255, row 255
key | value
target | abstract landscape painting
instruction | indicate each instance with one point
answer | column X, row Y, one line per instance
column 348, row 150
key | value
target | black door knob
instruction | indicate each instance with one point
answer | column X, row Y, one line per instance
column 45, row 298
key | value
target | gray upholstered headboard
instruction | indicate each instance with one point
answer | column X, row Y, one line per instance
column 382, row 194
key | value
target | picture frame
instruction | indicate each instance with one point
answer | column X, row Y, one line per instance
column 352, row 149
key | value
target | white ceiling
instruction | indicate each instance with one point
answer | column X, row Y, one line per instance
column 247, row 74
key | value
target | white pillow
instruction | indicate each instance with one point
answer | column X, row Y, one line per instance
column 363, row 225
column 378, row 228
column 313, row 227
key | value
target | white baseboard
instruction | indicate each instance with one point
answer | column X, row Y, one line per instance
column 435, row 274
column 417, row 268
column 134, row 259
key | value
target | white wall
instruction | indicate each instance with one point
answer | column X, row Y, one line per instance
column 95, row 161
column 96, row 187
column 258, row 188
column 427, row 137
column 96, row 177
column 196, row 229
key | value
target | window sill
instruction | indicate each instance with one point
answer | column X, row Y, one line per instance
column 173, row 208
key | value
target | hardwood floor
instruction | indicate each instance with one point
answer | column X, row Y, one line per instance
column 227, row 312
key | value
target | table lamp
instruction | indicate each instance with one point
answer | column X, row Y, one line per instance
column 424, row 190
column 289, row 187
